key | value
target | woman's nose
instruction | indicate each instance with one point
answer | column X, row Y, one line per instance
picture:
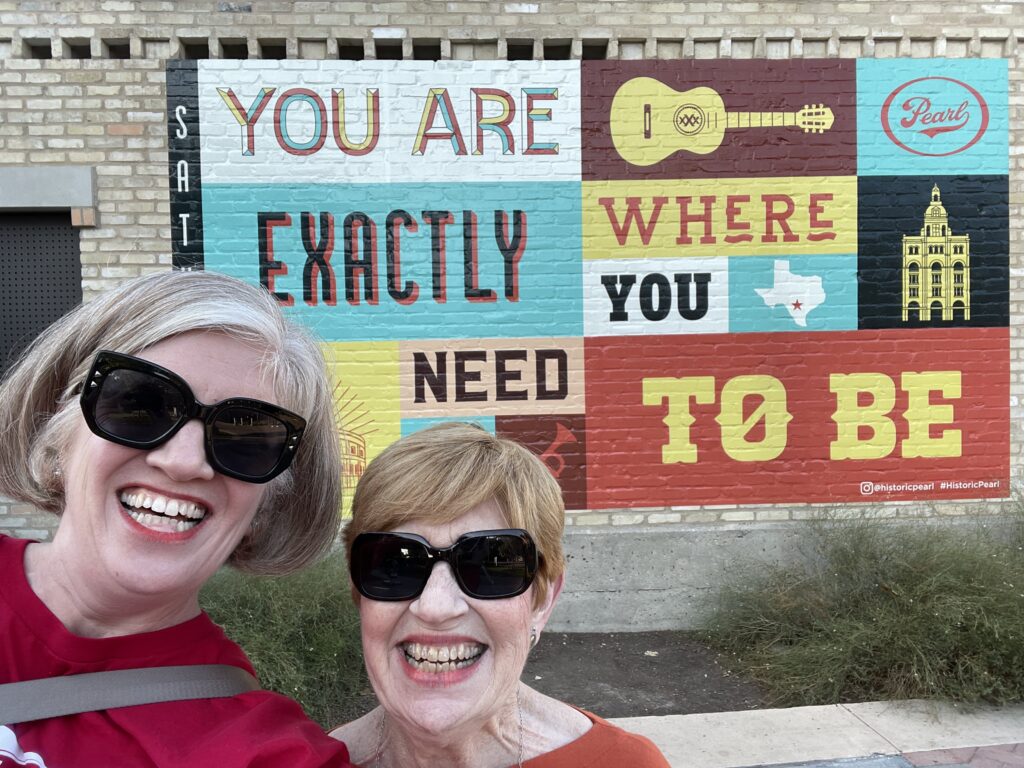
column 441, row 599
column 183, row 457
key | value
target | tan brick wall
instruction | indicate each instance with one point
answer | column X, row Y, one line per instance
column 110, row 112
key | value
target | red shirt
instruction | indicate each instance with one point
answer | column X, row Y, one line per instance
column 251, row 730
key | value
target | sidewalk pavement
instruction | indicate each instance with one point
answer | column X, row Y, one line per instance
column 906, row 734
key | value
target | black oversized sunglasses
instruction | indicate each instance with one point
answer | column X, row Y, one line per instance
column 133, row 402
column 488, row 565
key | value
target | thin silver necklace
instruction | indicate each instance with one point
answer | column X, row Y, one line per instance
column 384, row 717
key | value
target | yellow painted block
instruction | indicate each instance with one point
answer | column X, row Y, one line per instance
column 367, row 405
column 720, row 217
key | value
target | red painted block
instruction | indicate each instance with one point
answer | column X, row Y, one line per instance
column 823, row 417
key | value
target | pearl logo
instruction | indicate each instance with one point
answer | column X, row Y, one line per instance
column 935, row 116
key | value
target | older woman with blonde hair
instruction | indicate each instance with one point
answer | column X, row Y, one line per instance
column 456, row 563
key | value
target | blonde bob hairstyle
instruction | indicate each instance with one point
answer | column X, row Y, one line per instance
column 298, row 517
column 439, row 474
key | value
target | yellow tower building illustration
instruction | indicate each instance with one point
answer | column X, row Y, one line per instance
column 936, row 269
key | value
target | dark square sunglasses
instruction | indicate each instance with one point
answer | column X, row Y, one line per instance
column 133, row 402
column 488, row 565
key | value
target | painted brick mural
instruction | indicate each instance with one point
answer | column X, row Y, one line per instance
column 687, row 282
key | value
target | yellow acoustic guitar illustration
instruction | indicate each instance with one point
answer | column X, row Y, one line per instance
column 651, row 121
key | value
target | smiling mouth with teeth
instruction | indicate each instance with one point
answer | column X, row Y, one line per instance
column 444, row 658
column 161, row 513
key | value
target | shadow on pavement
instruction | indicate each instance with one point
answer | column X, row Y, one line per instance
column 630, row 674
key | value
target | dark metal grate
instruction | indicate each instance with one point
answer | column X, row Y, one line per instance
column 40, row 277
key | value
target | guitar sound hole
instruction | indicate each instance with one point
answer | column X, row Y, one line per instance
column 689, row 120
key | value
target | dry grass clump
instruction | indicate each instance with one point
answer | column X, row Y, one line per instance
column 301, row 633
column 884, row 611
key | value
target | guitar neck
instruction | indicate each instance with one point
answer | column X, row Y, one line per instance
column 760, row 119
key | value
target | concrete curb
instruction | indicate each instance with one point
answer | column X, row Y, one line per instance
column 843, row 732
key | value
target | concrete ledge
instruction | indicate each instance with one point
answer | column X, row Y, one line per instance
column 760, row 736
column 642, row 578
column 920, row 726
column 47, row 187
column 655, row 577
column 828, row 733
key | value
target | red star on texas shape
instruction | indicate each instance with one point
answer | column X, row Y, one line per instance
column 797, row 304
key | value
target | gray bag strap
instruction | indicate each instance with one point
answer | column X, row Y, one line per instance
column 89, row 691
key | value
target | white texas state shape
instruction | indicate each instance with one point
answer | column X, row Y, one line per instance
column 799, row 294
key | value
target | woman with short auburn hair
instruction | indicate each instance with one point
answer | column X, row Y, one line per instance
column 455, row 558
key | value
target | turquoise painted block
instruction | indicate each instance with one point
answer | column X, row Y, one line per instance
column 793, row 293
column 932, row 116
column 409, row 426
column 431, row 294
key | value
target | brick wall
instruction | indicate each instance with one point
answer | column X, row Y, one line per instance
column 85, row 85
